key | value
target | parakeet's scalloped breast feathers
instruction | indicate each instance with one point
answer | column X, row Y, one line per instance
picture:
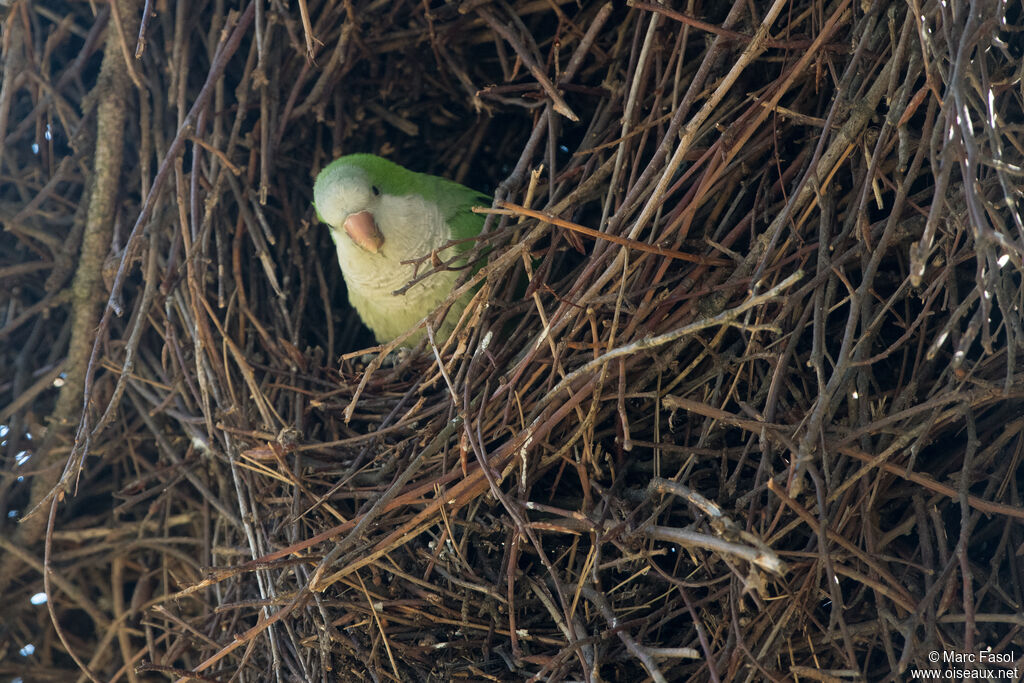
column 381, row 214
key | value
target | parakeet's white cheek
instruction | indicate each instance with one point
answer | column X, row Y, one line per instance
column 335, row 201
column 333, row 211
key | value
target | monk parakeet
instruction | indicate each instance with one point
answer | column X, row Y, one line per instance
column 382, row 214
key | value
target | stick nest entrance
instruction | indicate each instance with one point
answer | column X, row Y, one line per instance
column 737, row 396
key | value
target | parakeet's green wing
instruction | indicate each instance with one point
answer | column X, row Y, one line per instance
column 456, row 203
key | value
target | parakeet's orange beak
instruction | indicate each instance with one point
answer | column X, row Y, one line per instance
column 364, row 231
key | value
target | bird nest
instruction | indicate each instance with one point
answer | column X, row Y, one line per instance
column 736, row 396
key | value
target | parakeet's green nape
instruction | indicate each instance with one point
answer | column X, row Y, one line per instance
column 382, row 214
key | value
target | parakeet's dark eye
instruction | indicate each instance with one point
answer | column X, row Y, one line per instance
column 376, row 192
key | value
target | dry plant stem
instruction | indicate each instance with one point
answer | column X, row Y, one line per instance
column 466, row 489
column 249, row 635
column 456, row 497
column 727, row 317
column 26, row 396
column 355, row 535
column 59, row 581
column 522, row 528
column 638, row 650
column 754, row 122
column 762, row 555
column 973, row 501
column 220, row 63
column 510, row 209
column 716, row 30
column 586, row 42
column 856, row 122
column 692, row 539
column 141, row 314
column 14, row 59
column 112, row 90
column 615, row 267
column 506, row 32
column 689, row 132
